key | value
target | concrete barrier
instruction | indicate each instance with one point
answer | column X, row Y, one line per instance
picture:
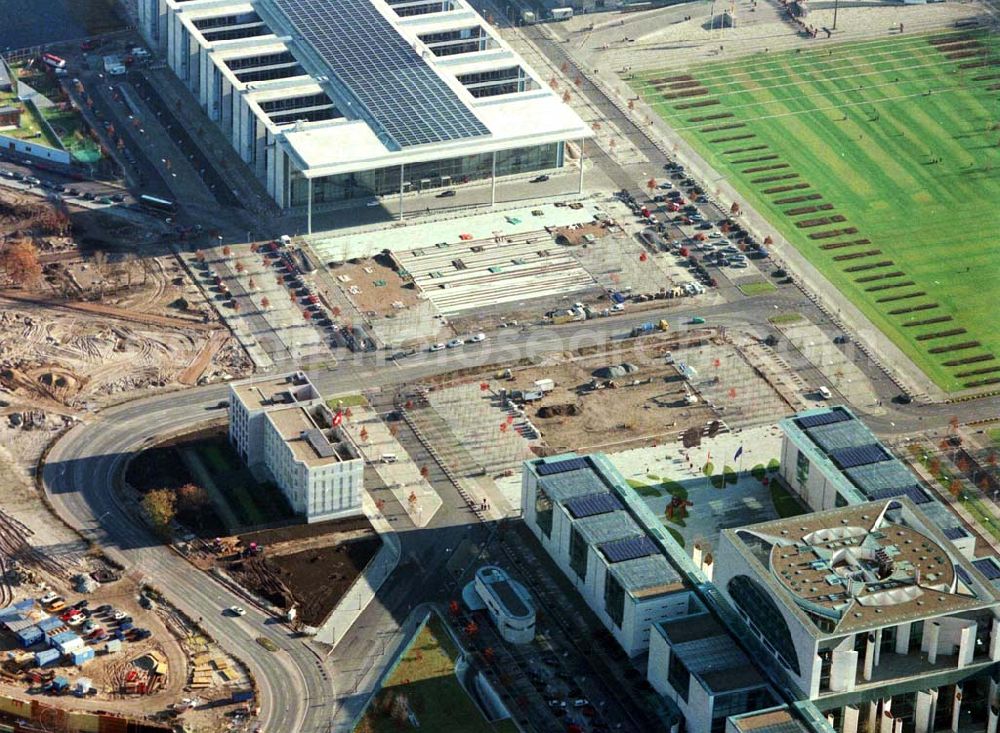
column 363, row 590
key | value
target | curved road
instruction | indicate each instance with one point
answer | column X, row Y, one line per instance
column 295, row 686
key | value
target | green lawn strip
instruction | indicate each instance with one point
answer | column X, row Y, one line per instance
column 346, row 400
column 643, row 489
column 784, row 503
column 994, row 434
column 785, row 318
column 984, row 518
column 425, row 675
column 215, row 459
column 678, row 537
column 881, row 182
column 761, row 287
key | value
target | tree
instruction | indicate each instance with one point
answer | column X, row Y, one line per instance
column 691, row 438
column 735, row 208
column 227, row 251
column 240, row 267
column 651, row 184
column 160, row 506
column 199, row 256
column 363, row 435
column 955, row 488
column 20, row 262
column 265, row 302
column 191, row 498
column 425, row 472
column 566, row 97
column 953, row 423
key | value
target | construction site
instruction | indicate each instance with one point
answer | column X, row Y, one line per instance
column 82, row 328
column 308, row 567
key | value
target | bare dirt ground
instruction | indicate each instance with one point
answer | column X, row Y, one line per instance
column 644, row 407
column 311, row 580
column 375, row 287
column 308, row 566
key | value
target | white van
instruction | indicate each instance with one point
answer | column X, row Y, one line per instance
column 388, row 458
column 825, row 393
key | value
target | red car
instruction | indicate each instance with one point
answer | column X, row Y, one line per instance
column 70, row 615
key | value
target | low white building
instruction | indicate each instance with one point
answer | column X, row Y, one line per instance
column 696, row 664
column 508, row 602
column 281, row 425
column 574, row 507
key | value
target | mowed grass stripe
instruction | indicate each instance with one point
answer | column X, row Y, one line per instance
column 935, row 222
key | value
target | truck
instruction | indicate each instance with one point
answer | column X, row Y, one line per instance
column 663, row 325
column 562, row 13
column 642, row 329
column 545, row 385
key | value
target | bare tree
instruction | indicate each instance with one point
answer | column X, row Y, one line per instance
column 19, row 260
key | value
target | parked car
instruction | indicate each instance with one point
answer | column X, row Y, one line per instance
column 436, row 347
column 447, row 194
column 540, row 179
column 48, row 597
column 824, row 393
column 478, row 338
column 118, row 615
column 455, row 343
column 237, row 611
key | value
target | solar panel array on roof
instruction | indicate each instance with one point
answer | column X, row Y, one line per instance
column 913, row 493
column 876, row 477
column 589, row 506
column 824, row 418
column 570, row 464
column 954, row 533
column 963, row 575
column 987, row 567
column 841, row 435
column 628, row 549
column 860, row 455
column 398, row 88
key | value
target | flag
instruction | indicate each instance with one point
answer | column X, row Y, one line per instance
column 739, row 452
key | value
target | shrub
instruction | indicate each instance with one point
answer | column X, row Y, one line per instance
column 708, row 468
column 729, row 475
column 773, row 465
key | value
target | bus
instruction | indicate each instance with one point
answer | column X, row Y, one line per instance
column 151, row 202
column 54, row 61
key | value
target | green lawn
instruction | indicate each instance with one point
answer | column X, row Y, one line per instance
column 761, row 287
column 346, row 400
column 425, row 675
column 879, row 161
column 784, row 503
column 253, row 502
column 785, row 318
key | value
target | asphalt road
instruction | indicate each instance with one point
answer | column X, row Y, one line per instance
column 296, row 691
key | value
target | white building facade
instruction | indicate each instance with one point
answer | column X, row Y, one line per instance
column 282, row 426
column 571, row 505
column 326, row 102
column 873, row 615
column 508, row 602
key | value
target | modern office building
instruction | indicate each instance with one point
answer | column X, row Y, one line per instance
column 829, row 458
column 695, row 663
column 577, row 509
column 280, row 426
column 327, row 100
column 507, row 601
column 873, row 614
